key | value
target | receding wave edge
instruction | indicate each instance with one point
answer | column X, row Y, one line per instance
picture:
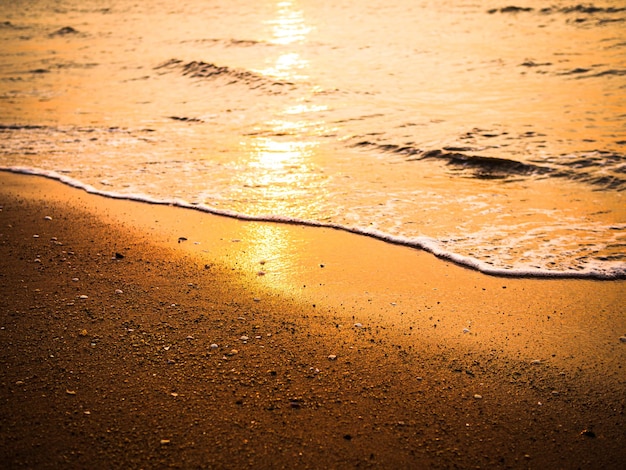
column 424, row 243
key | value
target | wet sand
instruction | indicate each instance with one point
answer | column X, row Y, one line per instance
column 141, row 336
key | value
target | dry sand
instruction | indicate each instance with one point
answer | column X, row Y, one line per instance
column 332, row 350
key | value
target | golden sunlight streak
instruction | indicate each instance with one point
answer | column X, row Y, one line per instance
column 286, row 66
column 304, row 108
column 271, row 154
column 289, row 27
column 270, row 254
column 279, row 172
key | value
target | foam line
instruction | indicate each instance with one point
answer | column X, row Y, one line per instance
column 424, row 243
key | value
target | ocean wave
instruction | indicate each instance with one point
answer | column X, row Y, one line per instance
column 577, row 15
column 10, row 25
column 598, row 271
column 598, row 168
column 207, row 71
column 232, row 42
column 583, row 9
column 593, row 71
column 65, row 31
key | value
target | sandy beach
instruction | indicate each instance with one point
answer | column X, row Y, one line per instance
column 144, row 336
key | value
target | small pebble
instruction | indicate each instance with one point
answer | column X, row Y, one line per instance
column 358, row 325
column 622, row 339
column 165, row 442
column 535, row 362
column 332, row 357
column 478, row 397
column 119, row 291
column 35, row 236
column 244, row 338
column 214, row 346
column 466, row 330
column 83, row 297
column 47, row 217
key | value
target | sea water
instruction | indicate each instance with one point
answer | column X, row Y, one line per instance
column 486, row 132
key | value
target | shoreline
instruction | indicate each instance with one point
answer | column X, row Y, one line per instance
column 358, row 352
column 423, row 245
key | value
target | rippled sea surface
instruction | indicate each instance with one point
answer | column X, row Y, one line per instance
column 490, row 133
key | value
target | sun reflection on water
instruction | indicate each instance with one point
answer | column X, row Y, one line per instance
column 281, row 151
column 287, row 66
column 275, row 155
column 289, row 27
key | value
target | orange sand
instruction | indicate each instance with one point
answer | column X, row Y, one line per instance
column 434, row 365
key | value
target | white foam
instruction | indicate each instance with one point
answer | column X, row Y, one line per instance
column 597, row 270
